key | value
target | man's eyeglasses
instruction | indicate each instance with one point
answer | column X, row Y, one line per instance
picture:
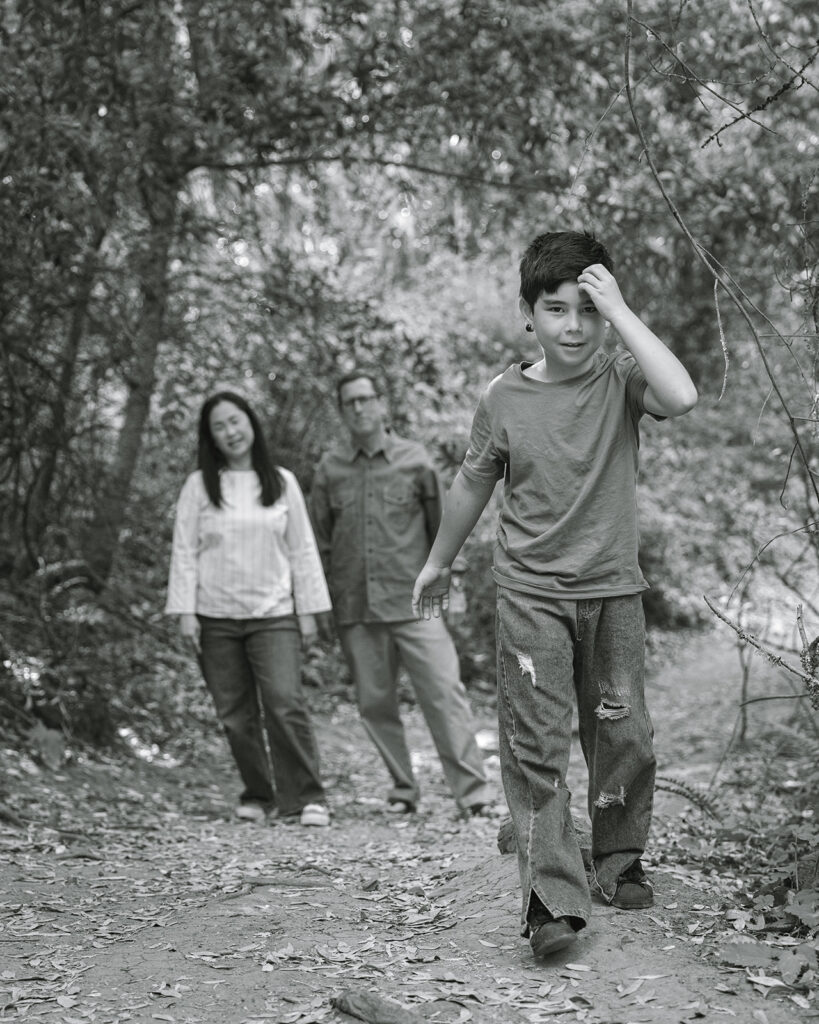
column 351, row 403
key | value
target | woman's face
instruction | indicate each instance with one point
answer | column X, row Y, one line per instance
column 232, row 434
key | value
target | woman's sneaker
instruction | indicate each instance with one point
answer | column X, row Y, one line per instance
column 634, row 891
column 251, row 811
column 317, row 815
column 401, row 807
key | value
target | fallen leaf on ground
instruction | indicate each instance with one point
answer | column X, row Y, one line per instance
column 747, row 954
column 375, row 1009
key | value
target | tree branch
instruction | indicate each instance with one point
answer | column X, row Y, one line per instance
column 763, row 104
column 259, row 163
column 749, row 638
column 714, row 267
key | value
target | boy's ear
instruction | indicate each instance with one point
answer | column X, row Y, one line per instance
column 525, row 309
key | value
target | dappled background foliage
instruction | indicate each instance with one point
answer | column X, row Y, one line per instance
column 261, row 194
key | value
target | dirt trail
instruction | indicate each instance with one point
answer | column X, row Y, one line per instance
column 152, row 904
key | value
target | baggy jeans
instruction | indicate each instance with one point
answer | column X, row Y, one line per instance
column 551, row 652
column 248, row 662
column 374, row 651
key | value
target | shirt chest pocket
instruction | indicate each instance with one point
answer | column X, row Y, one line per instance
column 342, row 498
column 400, row 503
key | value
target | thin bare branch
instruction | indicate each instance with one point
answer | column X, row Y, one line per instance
column 810, row 527
column 725, row 357
column 766, row 39
column 749, row 638
column 692, row 75
column 767, row 102
column 719, row 272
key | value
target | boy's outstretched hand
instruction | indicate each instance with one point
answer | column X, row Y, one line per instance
column 430, row 595
column 602, row 288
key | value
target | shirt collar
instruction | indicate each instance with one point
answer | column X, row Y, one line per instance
column 352, row 451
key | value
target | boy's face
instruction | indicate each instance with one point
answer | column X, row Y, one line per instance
column 568, row 328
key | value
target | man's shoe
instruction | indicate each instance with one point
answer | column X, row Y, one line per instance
column 317, row 815
column 634, row 891
column 548, row 934
column 250, row 811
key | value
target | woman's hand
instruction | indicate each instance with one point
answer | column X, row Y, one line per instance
column 308, row 630
column 190, row 629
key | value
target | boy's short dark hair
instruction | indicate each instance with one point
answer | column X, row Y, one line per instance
column 558, row 256
column 357, row 373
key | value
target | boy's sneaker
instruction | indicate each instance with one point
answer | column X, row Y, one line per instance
column 251, row 811
column 634, row 891
column 317, row 815
column 548, row 934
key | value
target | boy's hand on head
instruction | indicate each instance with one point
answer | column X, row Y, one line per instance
column 602, row 288
column 430, row 595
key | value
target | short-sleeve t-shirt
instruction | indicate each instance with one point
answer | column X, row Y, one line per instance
column 567, row 452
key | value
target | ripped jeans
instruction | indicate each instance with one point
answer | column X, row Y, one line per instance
column 550, row 652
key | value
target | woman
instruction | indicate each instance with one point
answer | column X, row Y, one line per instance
column 246, row 581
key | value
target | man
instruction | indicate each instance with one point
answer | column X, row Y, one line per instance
column 376, row 505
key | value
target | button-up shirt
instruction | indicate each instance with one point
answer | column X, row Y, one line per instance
column 244, row 560
column 375, row 516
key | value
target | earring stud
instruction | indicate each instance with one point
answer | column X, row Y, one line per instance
column 529, row 327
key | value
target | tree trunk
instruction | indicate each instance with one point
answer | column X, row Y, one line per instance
column 37, row 509
column 102, row 536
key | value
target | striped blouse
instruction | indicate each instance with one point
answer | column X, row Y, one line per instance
column 244, row 560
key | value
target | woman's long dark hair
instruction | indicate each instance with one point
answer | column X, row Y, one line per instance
column 211, row 460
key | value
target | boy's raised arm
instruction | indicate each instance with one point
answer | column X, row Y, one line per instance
column 670, row 391
column 463, row 505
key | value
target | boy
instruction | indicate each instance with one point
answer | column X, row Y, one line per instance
column 563, row 434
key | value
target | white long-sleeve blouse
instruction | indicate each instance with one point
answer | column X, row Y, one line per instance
column 244, row 560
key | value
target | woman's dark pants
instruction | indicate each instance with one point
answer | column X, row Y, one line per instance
column 253, row 663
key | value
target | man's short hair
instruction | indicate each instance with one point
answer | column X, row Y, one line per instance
column 558, row 256
column 357, row 373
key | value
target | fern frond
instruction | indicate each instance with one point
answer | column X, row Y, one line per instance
column 684, row 789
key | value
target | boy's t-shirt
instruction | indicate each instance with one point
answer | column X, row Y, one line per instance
column 568, row 454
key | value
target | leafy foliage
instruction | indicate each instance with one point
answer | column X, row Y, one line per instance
column 263, row 194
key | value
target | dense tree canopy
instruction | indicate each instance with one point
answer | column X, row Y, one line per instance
column 262, row 193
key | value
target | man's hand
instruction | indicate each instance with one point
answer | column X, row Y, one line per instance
column 191, row 630
column 430, row 595
column 326, row 626
column 601, row 287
